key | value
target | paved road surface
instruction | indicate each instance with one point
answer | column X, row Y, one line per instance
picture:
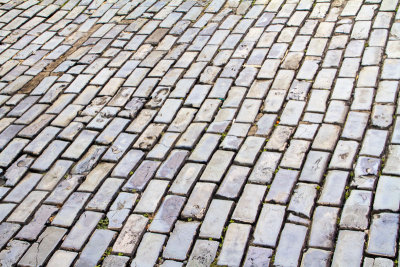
column 199, row 133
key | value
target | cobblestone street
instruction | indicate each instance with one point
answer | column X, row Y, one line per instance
column 199, row 133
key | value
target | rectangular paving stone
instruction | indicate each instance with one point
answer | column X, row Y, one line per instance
column 182, row 120
column 81, row 231
column 8, row 134
column 49, row 155
column 205, row 148
column 215, row 219
column 217, row 166
column 27, row 207
column 343, row 155
column 141, row 175
column 315, row 256
column 391, row 167
column 7, row 231
column 198, row 201
column 185, row 180
column 11, row 151
column 248, row 110
column 40, row 142
column 383, row 233
column 302, row 200
column 233, row 182
column 387, row 194
column 80, row 144
column 167, row 214
column 67, row 115
column 131, row 234
column 279, row 138
column 356, row 210
column 382, row 115
column 95, row 248
column 62, row 258
column 64, row 189
column 41, row 250
column 248, row 204
column 18, row 193
column 180, row 240
column 333, row 189
column 234, row 244
column 172, row 164
column 269, row 225
column 314, row 167
column 65, row 217
column 141, row 121
column 355, row 125
column 349, row 248
column 128, row 163
column 326, row 137
column 336, row 112
column 197, row 95
column 104, row 195
column 294, row 155
column 282, row 186
column 149, row 137
column 13, row 252
column 168, row 111
column 249, row 151
column 119, row 146
column 151, row 197
column 203, row 253
column 323, row 227
column 290, row 245
column 265, row 167
column 148, row 250
column 258, row 256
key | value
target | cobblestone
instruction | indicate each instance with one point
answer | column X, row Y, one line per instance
column 199, row 133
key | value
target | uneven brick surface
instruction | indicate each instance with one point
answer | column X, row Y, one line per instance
column 199, row 133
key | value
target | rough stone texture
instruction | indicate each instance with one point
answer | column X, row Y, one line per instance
column 290, row 245
column 349, row 248
column 171, row 128
column 383, row 234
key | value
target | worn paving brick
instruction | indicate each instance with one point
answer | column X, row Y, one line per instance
column 279, row 114
column 290, row 245
column 349, row 248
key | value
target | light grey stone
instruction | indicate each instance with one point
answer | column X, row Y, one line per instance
column 383, row 234
column 180, row 240
column 302, row 200
column 356, row 210
column 333, row 189
column 203, row 253
column 233, row 182
column 148, row 250
column 40, row 251
column 349, row 248
column 282, row 186
column 234, row 244
column 215, row 219
column 131, row 234
column 290, row 245
column 151, row 197
column 323, row 227
column 387, row 194
column 95, row 248
column 269, row 225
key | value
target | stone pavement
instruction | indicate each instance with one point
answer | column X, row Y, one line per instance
column 199, row 133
